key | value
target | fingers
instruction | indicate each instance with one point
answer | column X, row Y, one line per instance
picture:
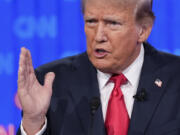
column 25, row 67
column 49, row 78
column 22, row 67
column 30, row 65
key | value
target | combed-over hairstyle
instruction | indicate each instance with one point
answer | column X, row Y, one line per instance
column 143, row 10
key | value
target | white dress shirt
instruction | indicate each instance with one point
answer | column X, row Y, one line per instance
column 132, row 73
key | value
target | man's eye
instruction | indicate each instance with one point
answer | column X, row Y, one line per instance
column 91, row 21
column 114, row 23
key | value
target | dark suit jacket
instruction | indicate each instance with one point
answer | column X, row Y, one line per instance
column 76, row 84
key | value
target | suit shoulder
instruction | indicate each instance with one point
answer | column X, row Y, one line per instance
column 160, row 57
column 169, row 63
column 170, row 59
column 64, row 63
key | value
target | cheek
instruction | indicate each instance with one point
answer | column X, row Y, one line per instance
column 89, row 40
column 89, row 33
column 123, row 47
column 89, row 44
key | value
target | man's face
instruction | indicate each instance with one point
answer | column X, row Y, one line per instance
column 112, row 35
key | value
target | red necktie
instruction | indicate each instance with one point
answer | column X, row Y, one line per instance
column 117, row 119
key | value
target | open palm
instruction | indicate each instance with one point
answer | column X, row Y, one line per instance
column 34, row 97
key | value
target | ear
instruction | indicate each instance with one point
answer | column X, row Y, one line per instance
column 144, row 32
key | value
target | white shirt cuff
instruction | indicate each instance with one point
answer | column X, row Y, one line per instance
column 38, row 133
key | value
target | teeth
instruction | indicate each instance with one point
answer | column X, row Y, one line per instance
column 100, row 50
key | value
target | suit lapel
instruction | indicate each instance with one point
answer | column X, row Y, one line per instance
column 86, row 88
column 143, row 110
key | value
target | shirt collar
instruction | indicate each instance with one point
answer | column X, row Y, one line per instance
column 132, row 72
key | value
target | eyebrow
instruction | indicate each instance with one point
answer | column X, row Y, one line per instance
column 89, row 17
column 107, row 18
column 104, row 18
column 112, row 18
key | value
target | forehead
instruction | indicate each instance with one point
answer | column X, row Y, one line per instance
column 114, row 3
column 108, row 7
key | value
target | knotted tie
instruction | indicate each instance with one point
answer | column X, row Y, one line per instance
column 117, row 119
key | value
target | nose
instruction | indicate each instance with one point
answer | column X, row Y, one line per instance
column 101, row 36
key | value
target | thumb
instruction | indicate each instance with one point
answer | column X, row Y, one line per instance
column 49, row 78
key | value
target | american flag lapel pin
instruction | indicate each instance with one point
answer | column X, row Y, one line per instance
column 158, row 83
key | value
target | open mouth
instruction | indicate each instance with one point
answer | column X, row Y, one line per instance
column 100, row 53
column 100, row 50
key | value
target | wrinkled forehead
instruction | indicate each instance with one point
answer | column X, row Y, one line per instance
column 133, row 4
column 117, row 3
column 106, row 4
column 109, row 5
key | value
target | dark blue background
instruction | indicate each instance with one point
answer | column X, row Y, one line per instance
column 53, row 29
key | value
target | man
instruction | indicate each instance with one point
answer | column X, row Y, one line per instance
column 64, row 99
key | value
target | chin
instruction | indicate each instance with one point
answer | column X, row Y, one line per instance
column 107, row 68
column 103, row 67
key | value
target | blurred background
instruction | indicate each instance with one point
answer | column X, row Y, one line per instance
column 53, row 29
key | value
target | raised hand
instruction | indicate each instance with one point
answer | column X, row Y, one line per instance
column 34, row 97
